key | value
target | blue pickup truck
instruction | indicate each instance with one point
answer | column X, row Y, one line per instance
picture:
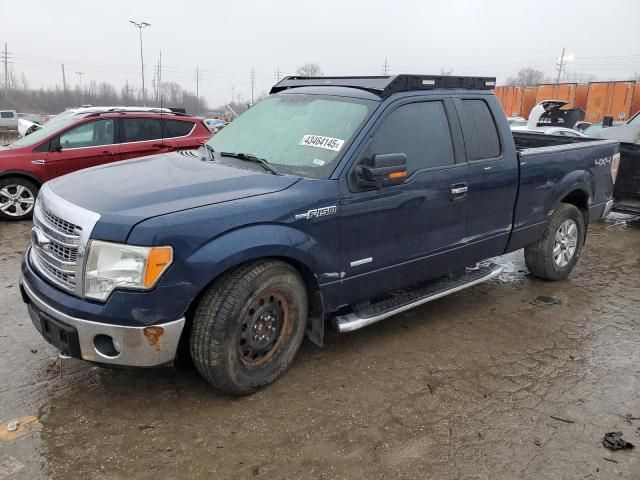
column 334, row 202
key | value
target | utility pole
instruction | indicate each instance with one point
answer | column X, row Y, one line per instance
column 233, row 93
column 559, row 66
column 385, row 67
column 64, row 81
column 80, row 74
column 198, row 85
column 253, row 82
column 277, row 75
column 140, row 26
column 5, row 60
column 160, row 78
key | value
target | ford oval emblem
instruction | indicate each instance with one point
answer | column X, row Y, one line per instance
column 37, row 238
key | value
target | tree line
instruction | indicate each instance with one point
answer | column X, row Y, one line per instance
column 52, row 100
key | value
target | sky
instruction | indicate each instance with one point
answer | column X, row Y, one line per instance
column 226, row 39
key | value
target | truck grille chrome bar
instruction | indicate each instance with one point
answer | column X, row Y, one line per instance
column 59, row 239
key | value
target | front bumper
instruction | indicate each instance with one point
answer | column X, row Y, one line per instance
column 100, row 342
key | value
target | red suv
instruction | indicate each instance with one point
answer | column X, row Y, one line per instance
column 74, row 142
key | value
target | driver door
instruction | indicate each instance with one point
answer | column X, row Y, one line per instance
column 403, row 234
column 87, row 145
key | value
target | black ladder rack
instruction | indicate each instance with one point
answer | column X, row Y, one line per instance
column 384, row 86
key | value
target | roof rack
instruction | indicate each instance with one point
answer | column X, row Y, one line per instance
column 129, row 110
column 388, row 85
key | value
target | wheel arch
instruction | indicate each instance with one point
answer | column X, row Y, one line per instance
column 20, row 174
column 240, row 247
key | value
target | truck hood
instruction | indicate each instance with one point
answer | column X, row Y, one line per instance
column 128, row 192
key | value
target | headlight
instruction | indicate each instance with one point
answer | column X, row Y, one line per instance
column 113, row 265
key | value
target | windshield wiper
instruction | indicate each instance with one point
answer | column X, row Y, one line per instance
column 252, row 158
column 211, row 151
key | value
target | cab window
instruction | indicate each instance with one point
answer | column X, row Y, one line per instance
column 419, row 130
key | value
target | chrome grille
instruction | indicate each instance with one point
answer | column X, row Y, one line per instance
column 67, row 280
column 66, row 254
column 59, row 238
column 59, row 223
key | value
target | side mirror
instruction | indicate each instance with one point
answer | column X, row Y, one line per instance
column 384, row 171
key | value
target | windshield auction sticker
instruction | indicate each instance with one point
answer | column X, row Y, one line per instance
column 317, row 141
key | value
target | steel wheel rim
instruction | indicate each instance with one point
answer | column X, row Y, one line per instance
column 16, row 200
column 565, row 243
column 265, row 328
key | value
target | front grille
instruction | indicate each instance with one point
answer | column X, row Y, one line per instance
column 60, row 224
column 66, row 254
column 59, row 240
column 55, row 247
column 66, row 280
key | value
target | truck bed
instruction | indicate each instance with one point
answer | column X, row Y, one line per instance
column 552, row 167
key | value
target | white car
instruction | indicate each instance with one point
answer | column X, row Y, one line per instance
column 8, row 120
column 559, row 131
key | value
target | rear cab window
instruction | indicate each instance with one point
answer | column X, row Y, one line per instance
column 7, row 115
column 479, row 129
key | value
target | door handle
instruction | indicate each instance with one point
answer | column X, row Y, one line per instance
column 158, row 145
column 107, row 153
column 458, row 190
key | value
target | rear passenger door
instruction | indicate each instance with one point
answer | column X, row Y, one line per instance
column 402, row 234
column 493, row 176
column 140, row 137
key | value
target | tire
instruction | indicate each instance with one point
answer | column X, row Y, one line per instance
column 17, row 198
column 248, row 326
column 566, row 230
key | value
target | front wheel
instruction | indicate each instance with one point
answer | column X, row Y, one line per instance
column 248, row 326
column 17, row 198
column 557, row 252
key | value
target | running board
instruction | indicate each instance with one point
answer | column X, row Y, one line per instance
column 404, row 300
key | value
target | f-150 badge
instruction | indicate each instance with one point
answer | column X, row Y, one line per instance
column 317, row 212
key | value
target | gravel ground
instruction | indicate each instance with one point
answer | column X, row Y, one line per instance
column 516, row 378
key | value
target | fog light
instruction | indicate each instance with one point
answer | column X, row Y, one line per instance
column 106, row 346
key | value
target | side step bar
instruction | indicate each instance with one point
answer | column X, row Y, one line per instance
column 407, row 299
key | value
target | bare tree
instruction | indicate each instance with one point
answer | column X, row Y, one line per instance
column 579, row 77
column 309, row 70
column 446, row 73
column 527, row 77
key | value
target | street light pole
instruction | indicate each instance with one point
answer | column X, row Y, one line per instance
column 140, row 26
column 80, row 74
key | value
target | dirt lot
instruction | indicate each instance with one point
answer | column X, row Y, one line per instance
column 466, row 387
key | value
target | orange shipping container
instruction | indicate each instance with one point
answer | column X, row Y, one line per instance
column 609, row 98
column 561, row 91
column 635, row 102
column 528, row 100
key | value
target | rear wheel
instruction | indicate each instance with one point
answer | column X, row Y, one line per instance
column 248, row 327
column 17, row 198
column 557, row 252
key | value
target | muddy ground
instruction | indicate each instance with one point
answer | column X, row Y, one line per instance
column 516, row 378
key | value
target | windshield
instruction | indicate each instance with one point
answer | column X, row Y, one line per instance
column 49, row 128
column 300, row 134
